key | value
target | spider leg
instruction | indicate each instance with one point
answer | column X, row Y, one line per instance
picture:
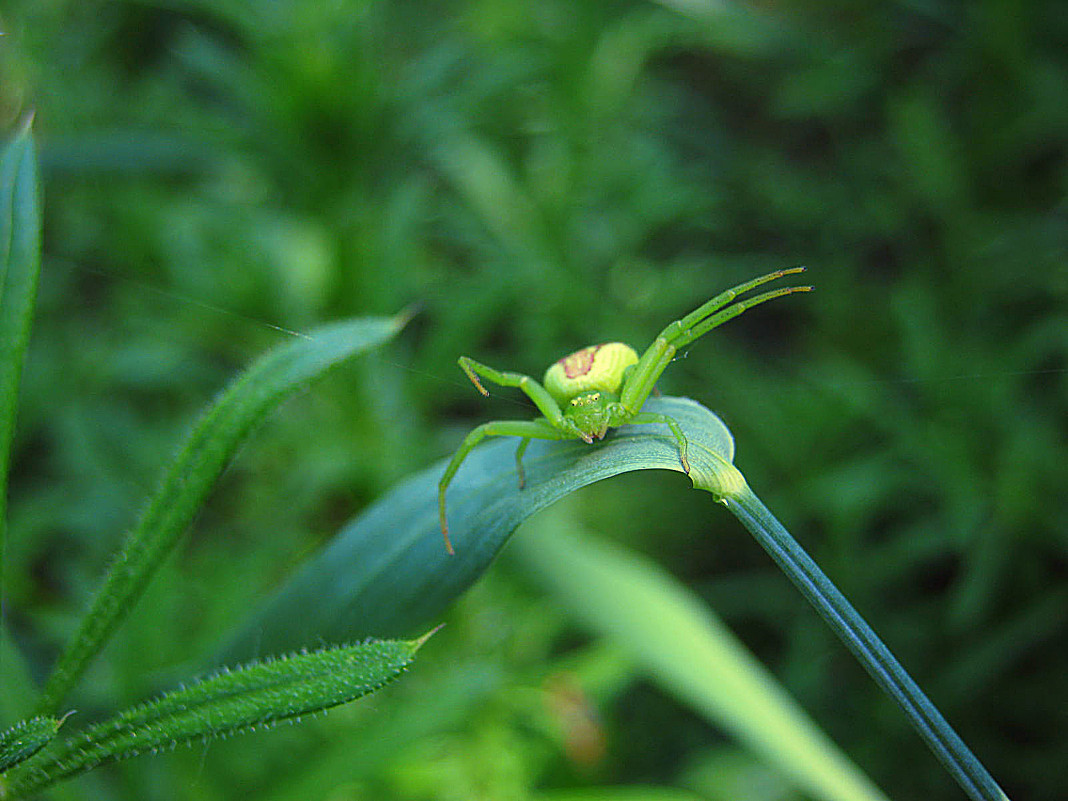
column 643, row 418
column 533, row 390
column 687, row 336
column 528, row 429
column 712, row 314
column 643, row 376
column 523, row 443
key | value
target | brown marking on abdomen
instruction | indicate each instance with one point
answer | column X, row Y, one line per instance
column 580, row 362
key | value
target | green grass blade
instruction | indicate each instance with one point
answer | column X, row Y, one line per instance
column 680, row 643
column 20, row 265
column 865, row 644
column 20, row 262
column 387, row 573
column 232, row 701
column 190, row 476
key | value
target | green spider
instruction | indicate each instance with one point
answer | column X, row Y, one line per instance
column 601, row 386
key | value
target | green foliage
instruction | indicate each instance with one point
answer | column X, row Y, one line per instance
column 672, row 636
column 539, row 177
column 246, row 698
column 388, row 573
column 25, row 739
column 194, row 470
column 20, row 263
column 255, row 695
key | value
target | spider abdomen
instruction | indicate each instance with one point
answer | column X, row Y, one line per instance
column 595, row 368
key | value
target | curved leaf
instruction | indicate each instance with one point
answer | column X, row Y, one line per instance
column 387, row 572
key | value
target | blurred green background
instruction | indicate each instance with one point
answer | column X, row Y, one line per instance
column 537, row 177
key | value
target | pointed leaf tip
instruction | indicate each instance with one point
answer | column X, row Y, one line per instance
column 421, row 641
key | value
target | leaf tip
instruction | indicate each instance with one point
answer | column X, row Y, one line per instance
column 405, row 315
column 418, row 643
column 26, row 124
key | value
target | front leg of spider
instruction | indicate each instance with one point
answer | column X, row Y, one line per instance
column 600, row 387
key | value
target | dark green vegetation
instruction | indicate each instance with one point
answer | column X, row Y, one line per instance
column 540, row 178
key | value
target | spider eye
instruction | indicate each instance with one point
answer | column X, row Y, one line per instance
column 586, row 399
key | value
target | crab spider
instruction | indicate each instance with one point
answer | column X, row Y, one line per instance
column 601, row 386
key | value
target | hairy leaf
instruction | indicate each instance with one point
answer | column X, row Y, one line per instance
column 25, row 739
column 190, row 476
column 232, row 701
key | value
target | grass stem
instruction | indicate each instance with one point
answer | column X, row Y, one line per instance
column 865, row 644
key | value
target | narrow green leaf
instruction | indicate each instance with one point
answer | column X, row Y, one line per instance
column 190, row 476
column 387, row 573
column 25, row 739
column 20, row 262
column 232, row 701
column 685, row 648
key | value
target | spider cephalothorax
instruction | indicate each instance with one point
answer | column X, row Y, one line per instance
column 601, row 386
